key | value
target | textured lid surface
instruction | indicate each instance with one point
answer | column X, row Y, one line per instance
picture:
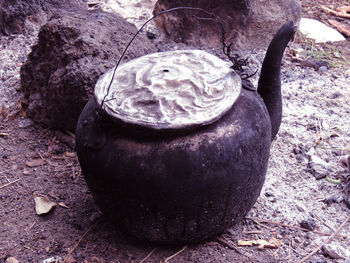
column 170, row 90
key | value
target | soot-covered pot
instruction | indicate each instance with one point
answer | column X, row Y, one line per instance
column 175, row 150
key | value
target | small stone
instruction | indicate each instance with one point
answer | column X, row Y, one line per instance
column 309, row 224
column 345, row 160
column 269, row 194
column 336, row 54
column 333, row 251
column 318, row 167
column 322, row 69
column 335, row 95
column 25, row 123
column 334, row 199
column 11, row 260
column 150, row 35
column 52, row 259
column 347, row 201
column 300, row 209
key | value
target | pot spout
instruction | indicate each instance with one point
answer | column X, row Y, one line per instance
column 269, row 86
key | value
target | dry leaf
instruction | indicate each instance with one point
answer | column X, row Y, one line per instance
column 3, row 134
column 272, row 243
column 246, row 243
column 262, row 244
column 43, row 205
column 35, row 163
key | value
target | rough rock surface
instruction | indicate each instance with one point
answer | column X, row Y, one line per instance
column 248, row 23
column 73, row 50
column 18, row 16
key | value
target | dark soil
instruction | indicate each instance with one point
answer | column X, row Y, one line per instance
column 38, row 161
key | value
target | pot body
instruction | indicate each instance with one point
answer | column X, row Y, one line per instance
column 176, row 188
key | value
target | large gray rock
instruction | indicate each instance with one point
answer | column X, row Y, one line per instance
column 19, row 16
column 73, row 50
column 248, row 23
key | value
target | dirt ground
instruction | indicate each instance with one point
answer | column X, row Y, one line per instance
column 38, row 161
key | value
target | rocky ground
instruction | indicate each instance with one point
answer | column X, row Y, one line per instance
column 305, row 198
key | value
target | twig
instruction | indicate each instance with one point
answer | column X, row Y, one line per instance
column 81, row 239
column 176, row 254
column 225, row 243
column 335, row 13
column 331, row 228
column 340, row 27
column 30, row 227
column 148, row 255
column 326, row 241
column 293, row 227
column 333, row 148
column 258, row 223
column 253, row 232
column 3, row 186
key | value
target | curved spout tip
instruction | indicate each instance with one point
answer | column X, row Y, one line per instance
column 269, row 86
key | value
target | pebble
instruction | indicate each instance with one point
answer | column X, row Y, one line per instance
column 322, row 69
column 11, row 260
column 269, row 194
column 52, row 259
column 333, row 251
column 345, row 160
column 347, row 203
column 318, row 167
column 309, row 224
column 300, row 208
column 25, row 123
column 334, row 199
column 335, row 95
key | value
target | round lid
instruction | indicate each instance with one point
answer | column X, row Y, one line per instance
column 170, row 90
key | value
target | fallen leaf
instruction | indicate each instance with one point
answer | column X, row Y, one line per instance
column 35, row 163
column 246, row 243
column 43, row 205
column 272, row 243
column 261, row 243
column 3, row 134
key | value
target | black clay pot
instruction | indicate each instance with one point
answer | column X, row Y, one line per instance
column 183, row 184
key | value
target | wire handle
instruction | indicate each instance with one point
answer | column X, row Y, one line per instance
column 138, row 31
